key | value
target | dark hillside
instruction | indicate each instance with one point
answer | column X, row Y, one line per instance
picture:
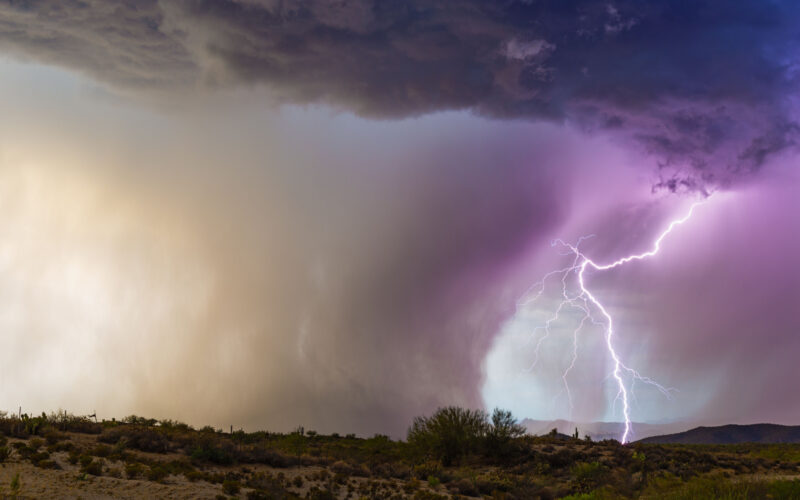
column 731, row 434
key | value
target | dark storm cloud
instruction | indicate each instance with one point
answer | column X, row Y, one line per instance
column 126, row 44
column 702, row 85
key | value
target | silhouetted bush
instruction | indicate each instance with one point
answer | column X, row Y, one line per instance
column 231, row 487
column 452, row 432
column 501, row 433
column 449, row 433
column 157, row 473
column 93, row 467
column 216, row 451
column 589, row 476
column 134, row 470
column 262, row 455
column 137, row 438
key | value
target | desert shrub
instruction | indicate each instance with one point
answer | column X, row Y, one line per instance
column 141, row 421
column 427, row 468
column 93, row 467
column 71, row 423
column 263, row 455
column 216, row 451
column 101, row 450
column 230, row 486
column 342, row 467
column 134, row 470
column 784, row 489
column 464, row 487
column 137, row 438
column 268, row 486
column 178, row 467
column 157, row 473
column 564, row 457
column 599, row 494
column 38, row 457
column 47, row 464
column 194, row 475
column 52, row 436
column 61, row 446
column 209, row 477
column 385, row 469
column 174, row 424
column 428, row 495
column 316, row 493
column 501, row 433
column 492, row 482
column 589, row 476
column 448, row 434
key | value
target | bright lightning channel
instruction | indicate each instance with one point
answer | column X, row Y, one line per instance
column 584, row 301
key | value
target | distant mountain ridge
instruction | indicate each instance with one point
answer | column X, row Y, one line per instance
column 600, row 430
column 731, row 434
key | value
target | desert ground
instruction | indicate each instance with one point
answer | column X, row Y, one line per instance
column 462, row 456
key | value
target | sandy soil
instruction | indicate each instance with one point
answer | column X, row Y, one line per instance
column 40, row 483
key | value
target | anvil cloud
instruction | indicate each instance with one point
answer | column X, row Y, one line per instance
column 332, row 206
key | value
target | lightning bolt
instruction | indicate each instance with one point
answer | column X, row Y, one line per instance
column 586, row 302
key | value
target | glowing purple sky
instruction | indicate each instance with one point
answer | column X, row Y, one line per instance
column 240, row 212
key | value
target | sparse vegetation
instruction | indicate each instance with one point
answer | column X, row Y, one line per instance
column 452, row 453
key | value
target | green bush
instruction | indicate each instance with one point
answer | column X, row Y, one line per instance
column 216, row 451
column 101, row 450
column 47, row 464
column 194, row 475
column 93, row 467
column 157, row 473
column 230, row 487
column 137, row 438
column 448, row 434
column 589, row 476
column 501, row 434
column 452, row 433
column 134, row 470
column 428, row 468
column 718, row 486
column 85, row 460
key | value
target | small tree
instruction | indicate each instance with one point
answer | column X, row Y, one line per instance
column 449, row 433
column 503, row 429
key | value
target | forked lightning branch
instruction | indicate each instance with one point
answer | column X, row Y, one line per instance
column 593, row 311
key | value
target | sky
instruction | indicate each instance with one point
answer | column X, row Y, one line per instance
column 269, row 214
